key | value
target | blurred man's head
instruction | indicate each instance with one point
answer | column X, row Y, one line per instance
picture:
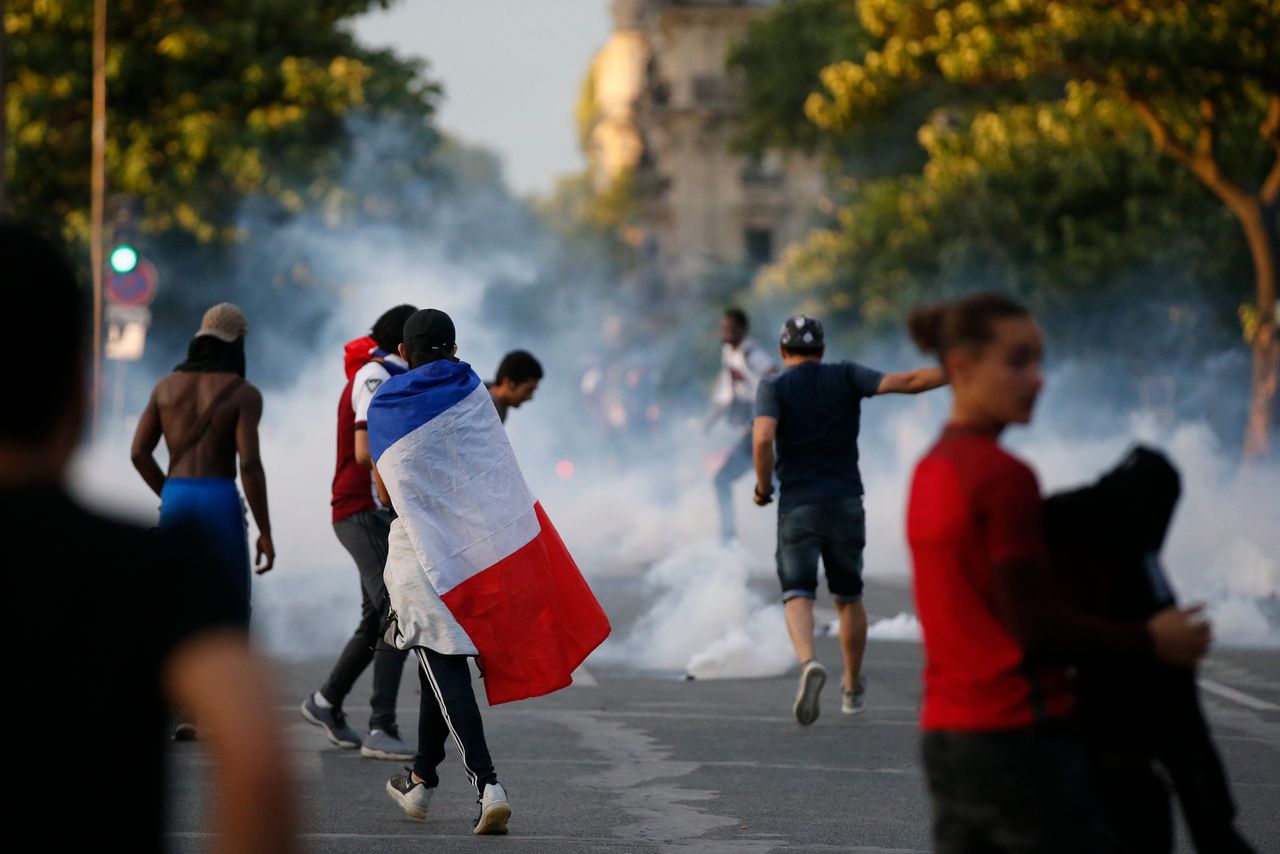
column 42, row 293
column 388, row 331
column 734, row 326
column 429, row 335
column 224, row 321
column 802, row 337
column 517, row 378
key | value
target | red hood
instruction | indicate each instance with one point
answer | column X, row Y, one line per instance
column 357, row 354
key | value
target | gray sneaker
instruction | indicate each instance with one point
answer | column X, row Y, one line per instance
column 332, row 721
column 855, row 702
column 807, row 707
column 386, row 744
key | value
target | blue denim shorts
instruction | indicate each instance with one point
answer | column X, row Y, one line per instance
column 836, row 531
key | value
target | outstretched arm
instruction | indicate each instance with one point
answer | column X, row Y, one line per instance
column 912, row 382
column 218, row 679
column 253, row 477
column 145, row 440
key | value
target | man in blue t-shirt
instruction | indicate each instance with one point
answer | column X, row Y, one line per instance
column 812, row 412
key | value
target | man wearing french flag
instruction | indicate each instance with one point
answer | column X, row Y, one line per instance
column 474, row 566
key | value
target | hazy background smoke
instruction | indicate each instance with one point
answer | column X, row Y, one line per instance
column 612, row 444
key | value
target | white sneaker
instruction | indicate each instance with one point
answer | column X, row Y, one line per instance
column 855, row 702
column 812, row 678
column 495, row 810
column 413, row 797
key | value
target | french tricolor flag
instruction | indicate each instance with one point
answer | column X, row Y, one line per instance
column 484, row 544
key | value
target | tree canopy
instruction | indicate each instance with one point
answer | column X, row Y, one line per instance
column 208, row 104
column 1075, row 149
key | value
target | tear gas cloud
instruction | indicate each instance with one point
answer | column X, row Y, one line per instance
column 623, row 467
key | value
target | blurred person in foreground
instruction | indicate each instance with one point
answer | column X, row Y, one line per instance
column 474, row 566
column 744, row 362
column 208, row 416
column 519, row 374
column 362, row 524
column 1005, row 768
column 151, row 620
column 1142, row 723
column 812, row 413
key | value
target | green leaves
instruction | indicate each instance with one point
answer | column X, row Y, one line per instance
column 1042, row 174
column 1063, row 203
column 209, row 103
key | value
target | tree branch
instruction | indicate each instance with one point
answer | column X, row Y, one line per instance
column 1160, row 135
column 1270, row 129
column 1200, row 162
column 1270, row 192
column 1208, row 130
column 1271, row 134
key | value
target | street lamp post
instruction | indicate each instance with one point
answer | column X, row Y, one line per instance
column 98, row 195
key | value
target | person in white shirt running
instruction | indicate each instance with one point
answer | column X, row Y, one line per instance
column 743, row 363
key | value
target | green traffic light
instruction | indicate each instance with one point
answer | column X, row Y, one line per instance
column 124, row 258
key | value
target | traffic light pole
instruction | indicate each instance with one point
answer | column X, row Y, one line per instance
column 98, row 199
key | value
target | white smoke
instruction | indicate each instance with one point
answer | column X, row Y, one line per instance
column 1222, row 549
column 309, row 604
column 639, row 502
column 903, row 627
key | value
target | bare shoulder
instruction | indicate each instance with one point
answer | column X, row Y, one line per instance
column 249, row 395
column 169, row 386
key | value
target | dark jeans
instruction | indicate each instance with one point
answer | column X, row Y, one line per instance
column 834, row 530
column 739, row 462
column 449, row 708
column 364, row 535
column 1024, row 791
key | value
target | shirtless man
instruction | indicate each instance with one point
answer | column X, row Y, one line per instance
column 208, row 415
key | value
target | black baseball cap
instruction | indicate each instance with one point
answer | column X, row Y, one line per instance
column 801, row 332
column 429, row 335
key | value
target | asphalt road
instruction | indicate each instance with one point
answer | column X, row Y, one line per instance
column 627, row 762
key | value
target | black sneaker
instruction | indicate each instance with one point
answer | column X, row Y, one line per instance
column 413, row 797
column 332, row 721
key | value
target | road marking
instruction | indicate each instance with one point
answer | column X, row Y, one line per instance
column 909, row 770
column 654, row 808
column 1228, row 693
column 431, row 836
column 690, row 716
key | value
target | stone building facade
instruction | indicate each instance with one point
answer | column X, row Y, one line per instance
column 664, row 111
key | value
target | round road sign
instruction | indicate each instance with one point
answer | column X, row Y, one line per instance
column 136, row 287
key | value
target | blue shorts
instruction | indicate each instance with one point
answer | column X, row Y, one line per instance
column 213, row 505
column 836, row 531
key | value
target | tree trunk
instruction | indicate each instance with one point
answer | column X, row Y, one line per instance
column 1259, row 222
column 1257, row 215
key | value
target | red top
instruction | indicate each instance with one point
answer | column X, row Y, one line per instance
column 352, row 483
column 974, row 507
column 352, row 490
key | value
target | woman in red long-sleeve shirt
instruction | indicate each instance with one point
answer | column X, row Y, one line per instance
column 1005, row 772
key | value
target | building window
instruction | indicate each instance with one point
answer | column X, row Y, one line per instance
column 766, row 171
column 759, row 245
